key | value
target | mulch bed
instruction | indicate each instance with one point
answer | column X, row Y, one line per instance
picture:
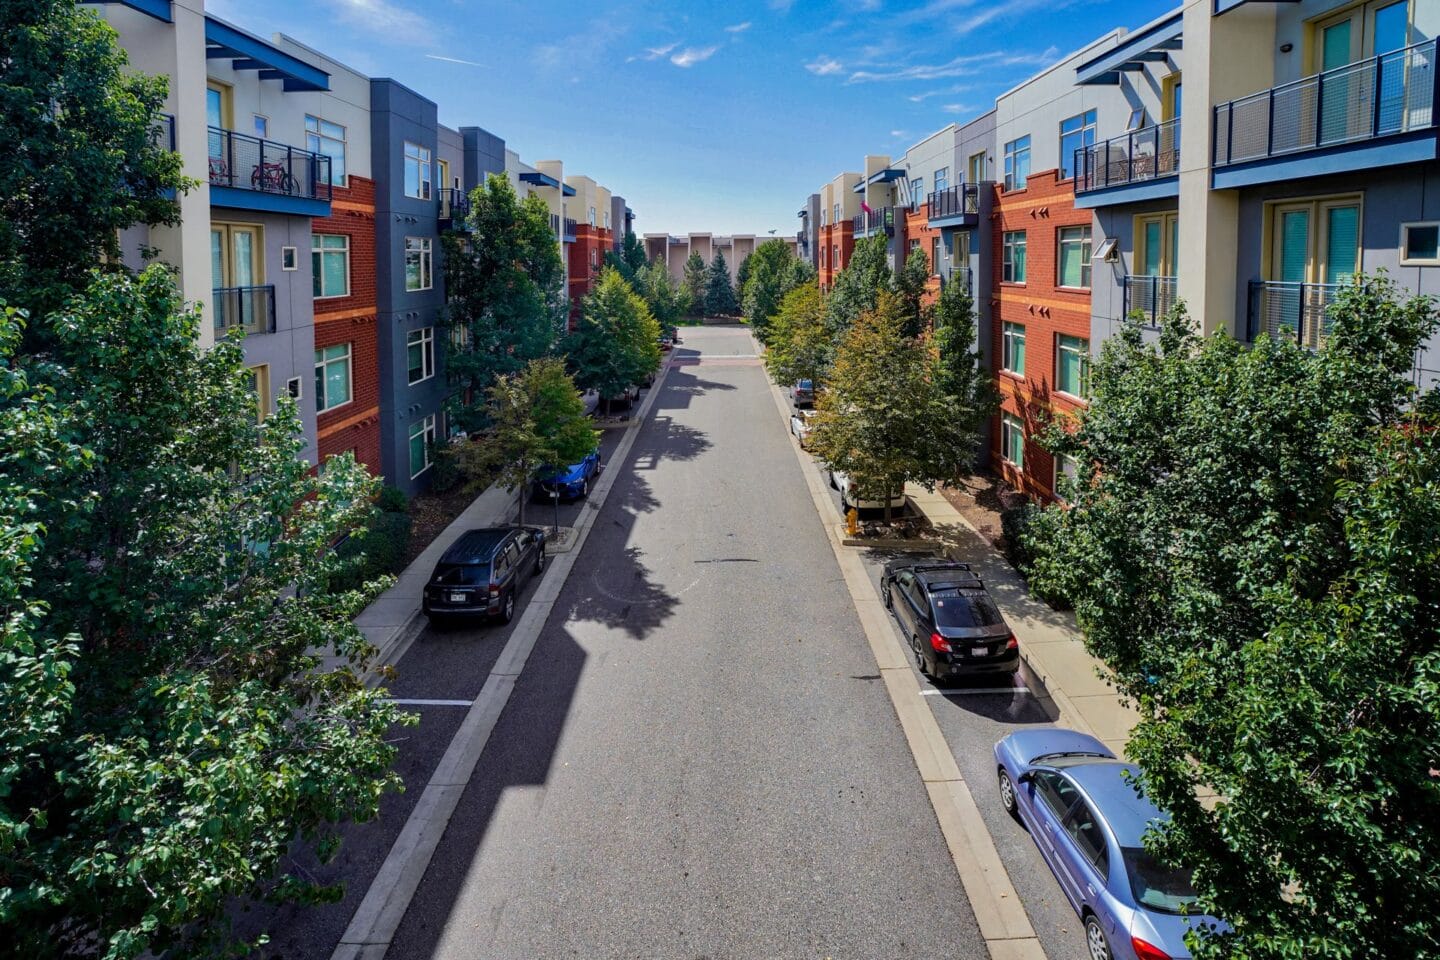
column 431, row 513
column 980, row 498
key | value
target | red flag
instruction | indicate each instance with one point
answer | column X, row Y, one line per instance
column 866, row 207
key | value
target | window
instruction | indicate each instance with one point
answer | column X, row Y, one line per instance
column 1012, row 268
column 1072, row 374
column 1170, row 97
column 420, row 354
column 422, row 440
column 1315, row 241
column 217, row 108
column 1420, row 244
column 262, row 126
column 332, row 376
column 1012, row 440
column 835, row 257
column 330, row 259
column 1157, row 243
column 236, row 262
column 1017, row 163
column 914, row 244
column 1076, row 133
column 442, row 173
column 837, row 214
column 1085, row 830
column 1057, row 793
column 592, row 216
column 258, row 379
column 418, row 264
column 1013, row 349
column 942, row 179
column 607, row 219
column 917, row 191
column 417, row 171
column 975, row 167
column 937, row 249
column 328, row 140
column 289, row 258
column 1136, row 120
column 1066, row 468
column 1073, row 267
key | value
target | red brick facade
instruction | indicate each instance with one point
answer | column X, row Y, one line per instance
column 351, row 319
column 1045, row 310
column 837, row 242
column 917, row 230
column 586, row 257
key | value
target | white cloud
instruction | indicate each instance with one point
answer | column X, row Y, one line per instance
column 897, row 134
column 1011, row 9
column 693, row 55
column 738, row 27
column 654, row 53
column 963, row 66
column 824, row 66
column 957, row 108
column 393, row 21
column 468, row 63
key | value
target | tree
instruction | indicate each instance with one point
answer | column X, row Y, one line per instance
column 800, row 347
column 82, row 160
column 772, row 274
column 857, row 288
column 719, row 295
column 629, row 260
column 537, row 418
column 742, row 274
column 695, row 282
column 615, row 343
column 961, row 375
column 883, row 419
column 505, row 284
column 909, row 286
column 1251, row 549
column 667, row 301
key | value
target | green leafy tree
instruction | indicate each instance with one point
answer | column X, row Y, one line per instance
column 883, row 419
column 632, row 252
column 505, row 284
column 719, row 295
column 615, row 342
column 742, row 274
column 800, row 347
column 857, row 288
column 695, row 282
column 772, row 275
column 668, row 302
column 909, row 287
column 82, row 158
column 961, row 374
column 537, row 418
column 1252, row 551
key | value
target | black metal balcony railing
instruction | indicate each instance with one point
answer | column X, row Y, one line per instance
column 965, row 277
column 251, row 309
column 162, row 132
column 961, row 200
column 555, row 223
column 1298, row 311
column 569, row 229
column 1379, row 97
column 867, row 223
column 453, row 206
column 1151, row 297
column 1146, row 154
column 249, row 163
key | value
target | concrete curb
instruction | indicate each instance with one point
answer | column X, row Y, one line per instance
column 372, row 928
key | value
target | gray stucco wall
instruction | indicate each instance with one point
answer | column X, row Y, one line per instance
column 1107, row 291
column 452, row 151
column 484, row 155
column 617, row 221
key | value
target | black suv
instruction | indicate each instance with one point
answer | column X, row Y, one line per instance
column 951, row 623
column 482, row 571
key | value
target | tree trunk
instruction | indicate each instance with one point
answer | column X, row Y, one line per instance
column 887, row 503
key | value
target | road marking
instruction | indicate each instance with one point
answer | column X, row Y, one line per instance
column 972, row 691
column 429, row 703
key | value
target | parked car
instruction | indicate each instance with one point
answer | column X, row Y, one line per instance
column 951, row 623
column 800, row 425
column 572, row 483
column 803, row 393
column 850, row 497
column 667, row 343
column 1081, row 808
column 482, row 571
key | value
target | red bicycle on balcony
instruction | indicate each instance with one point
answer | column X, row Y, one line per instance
column 274, row 178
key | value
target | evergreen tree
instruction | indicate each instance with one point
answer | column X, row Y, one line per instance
column 695, row 283
column 615, row 342
column 857, row 288
column 667, row 301
column 632, row 252
column 772, row 274
column 909, row 286
column 742, row 274
column 719, row 295
column 962, row 375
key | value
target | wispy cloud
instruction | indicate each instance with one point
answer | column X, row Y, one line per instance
column 898, row 134
column 958, row 108
column 738, row 27
column 393, row 21
column 653, row 53
column 823, row 66
column 963, row 66
column 1014, row 8
column 581, row 49
column 693, row 55
column 468, row 63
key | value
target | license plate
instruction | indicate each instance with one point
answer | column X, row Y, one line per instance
column 979, row 651
column 457, row 598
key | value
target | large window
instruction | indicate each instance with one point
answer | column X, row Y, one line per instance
column 1315, row 241
column 592, row 216
column 328, row 140
column 1013, row 349
column 1012, row 267
column 417, row 171
column 332, row 376
column 1017, row 163
column 258, row 379
column 942, row 179
column 937, row 250
column 419, row 263
column 1012, row 440
column 420, row 354
column 1157, row 242
column 330, row 259
column 1066, row 468
column 1073, row 267
column 917, row 192
column 1076, row 133
column 836, row 218
column 422, row 441
column 1072, row 373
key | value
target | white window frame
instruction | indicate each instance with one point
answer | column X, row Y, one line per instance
column 592, row 216
column 316, row 136
column 1007, row 258
column 1088, row 124
column 1013, row 152
column 1061, row 462
column 257, row 122
column 323, row 253
column 941, row 180
column 1086, row 245
column 423, row 160
column 1405, row 241
column 424, row 338
column 1011, row 424
column 1008, row 338
column 425, row 251
column 424, row 427
column 1083, row 354
column 322, row 366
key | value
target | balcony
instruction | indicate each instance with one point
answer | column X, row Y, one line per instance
column 1375, row 112
column 1293, row 310
column 957, row 206
column 162, row 132
column 1151, row 297
column 1140, row 165
column 569, row 235
column 254, row 174
column 555, row 224
column 251, row 309
column 453, row 208
column 965, row 277
column 866, row 224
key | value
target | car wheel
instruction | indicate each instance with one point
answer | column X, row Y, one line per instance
column 584, row 489
column 885, row 595
column 540, row 562
column 919, row 657
column 507, row 611
column 1095, row 940
column 1007, row 794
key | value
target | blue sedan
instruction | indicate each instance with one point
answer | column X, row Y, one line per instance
column 1076, row 799
column 571, row 483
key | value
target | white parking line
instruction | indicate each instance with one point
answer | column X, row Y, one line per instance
column 971, row 691
column 431, row 703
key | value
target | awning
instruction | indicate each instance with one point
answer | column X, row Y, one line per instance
column 246, row 51
column 1151, row 45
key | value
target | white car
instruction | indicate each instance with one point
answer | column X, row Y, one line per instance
column 800, row 425
column 848, row 497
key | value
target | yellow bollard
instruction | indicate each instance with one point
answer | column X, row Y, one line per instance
column 852, row 522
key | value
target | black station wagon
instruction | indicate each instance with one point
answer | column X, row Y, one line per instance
column 482, row 571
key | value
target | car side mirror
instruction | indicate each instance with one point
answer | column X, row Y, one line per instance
column 1026, row 777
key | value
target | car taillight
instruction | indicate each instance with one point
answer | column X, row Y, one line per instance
column 1012, row 643
column 1147, row 951
column 939, row 643
column 494, row 589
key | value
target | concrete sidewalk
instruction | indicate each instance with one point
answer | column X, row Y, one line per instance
column 1049, row 639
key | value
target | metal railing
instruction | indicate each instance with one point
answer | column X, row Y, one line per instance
column 1382, row 96
column 1152, row 297
column 1146, row 154
column 555, row 223
column 569, row 229
column 251, row 309
column 162, row 132
column 882, row 219
column 453, row 204
column 965, row 277
column 961, row 200
column 249, row 163
column 1299, row 311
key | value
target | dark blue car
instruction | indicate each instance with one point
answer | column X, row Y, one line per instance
column 571, row 483
column 1078, row 802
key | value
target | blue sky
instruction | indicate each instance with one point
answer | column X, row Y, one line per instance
column 716, row 117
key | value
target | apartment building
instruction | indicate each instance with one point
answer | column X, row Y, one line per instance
column 674, row 251
column 839, row 206
column 807, row 238
column 592, row 236
column 622, row 221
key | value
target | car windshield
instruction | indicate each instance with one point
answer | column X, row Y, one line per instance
column 1156, row 886
column 463, row 575
column 956, row 609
